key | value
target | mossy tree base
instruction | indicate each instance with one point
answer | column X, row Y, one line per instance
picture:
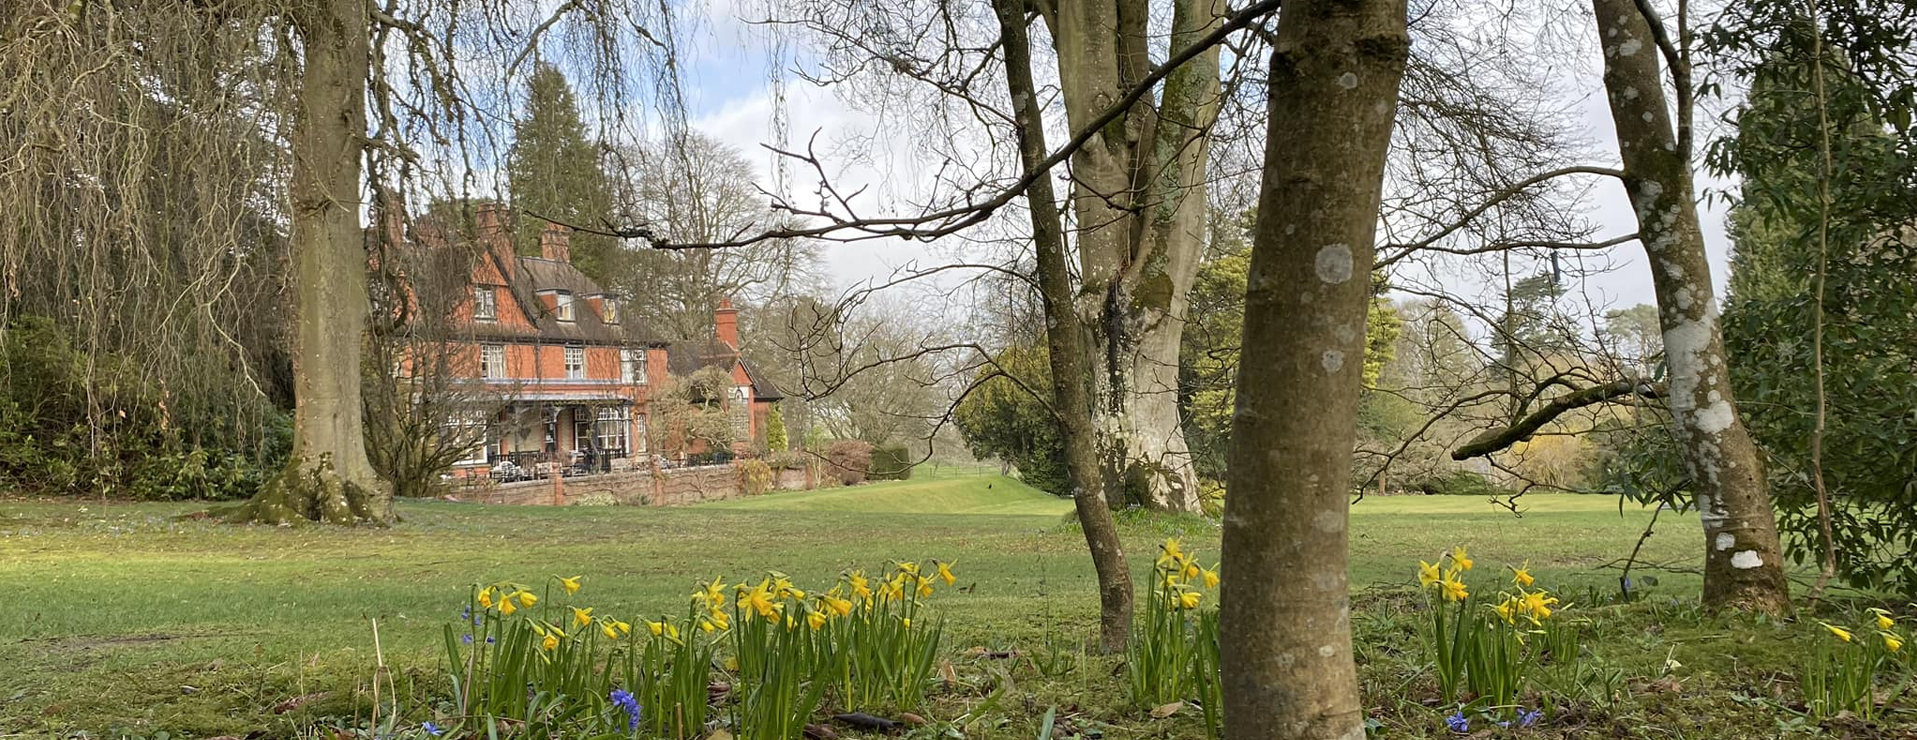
column 303, row 493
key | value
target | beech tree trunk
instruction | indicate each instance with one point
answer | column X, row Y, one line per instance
column 1067, row 340
column 329, row 478
column 1743, row 561
column 1139, row 200
column 1288, row 667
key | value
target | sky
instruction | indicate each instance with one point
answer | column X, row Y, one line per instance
column 730, row 99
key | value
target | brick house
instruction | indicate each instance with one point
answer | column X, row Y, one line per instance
column 576, row 377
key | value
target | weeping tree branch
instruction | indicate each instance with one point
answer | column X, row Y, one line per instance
column 1499, row 439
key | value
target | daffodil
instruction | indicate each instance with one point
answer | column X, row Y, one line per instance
column 1191, row 570
column 1507, row 610
column 759, row 600
column 550, row 642
column 1892, row 642
column 835, row 604
column 656, row 628
column 1453, row 589
column 1189, row 599
column 720, row 620
column 925, row 586
column 1171, row 552
column 1428, row 573
column 611, row 632
column 506, row 607
column 1838, row 632
column 625, row 628
column 714, row 593
column 581, row 617
column 907, row 621
column 815, row 619
column 1460, row 558
column 783, row 588
column 1210, row 577
column 1884, row 621
column 527, row 599
column 909, row 567
column 945, row 572
column 486, row 597
column 861, row 588
column 571, row 584
column 1521, row 575
column 1537, row 604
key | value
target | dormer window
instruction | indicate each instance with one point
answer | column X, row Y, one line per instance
column 612, row 310
column 562, row 306
column 485, row 303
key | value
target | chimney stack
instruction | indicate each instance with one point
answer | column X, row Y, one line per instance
column 555, row 243
column 725, row 323
column 491, row 219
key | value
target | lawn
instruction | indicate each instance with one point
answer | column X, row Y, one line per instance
column 121, row 617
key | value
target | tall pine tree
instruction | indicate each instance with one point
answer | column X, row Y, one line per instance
column 553, row 169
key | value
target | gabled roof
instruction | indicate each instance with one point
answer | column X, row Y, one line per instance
column 531, row 276
column 688, row 357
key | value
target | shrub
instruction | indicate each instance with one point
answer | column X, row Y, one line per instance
column 755, row 476
column 1460, row 483
column 849, row 461
column 891, row 462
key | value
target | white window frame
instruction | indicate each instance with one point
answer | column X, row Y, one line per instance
column 485, row 303
column 488, row 368
column 612, row 429
column 612, row 309
column 575, row 370
column 633, row 365
column 481, row 452
column 741, row 395
column 562, row 305
column 640, row 434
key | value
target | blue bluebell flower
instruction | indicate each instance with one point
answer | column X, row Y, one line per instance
column 1458, row 722
column 1528, row 717
column 468, row 639
column 623, row 699
column 432, row 729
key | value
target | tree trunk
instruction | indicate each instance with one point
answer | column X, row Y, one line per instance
column 1139, row 199
column 1743, row 561
column 1067, row 341
column 1288, row 667
column 328, row 478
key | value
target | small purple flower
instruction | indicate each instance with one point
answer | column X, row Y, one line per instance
column 432, row 729
column 468, row 639
column 1458, row 722
column 623, row 699
column 1526, row 718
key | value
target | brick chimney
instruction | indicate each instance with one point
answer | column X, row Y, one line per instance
column 494, row 237
column 555, row 243
column 725, row 323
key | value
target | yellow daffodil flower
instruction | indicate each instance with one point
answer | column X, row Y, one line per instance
column 1460, row 558
column 527, row 599
column 706, row 625
column 607, row 629
column 714, row 593
column 506, row 607
column 783, row 588
column 1838, row 632
column 1453, row 589
column 815, row 620
column 571, row 584
column 759, row 600
column 581, row 617
column 486, row 597
column 1507, row 610
column 657, row 628
column 1171, row 552
column 1428, row 573
column 721, row 620
column 907, row 621
column 1884, row 621
column 1210, row 577
column 1189, row 599
column 1521, row 575
column 550, row 642
column 1537, row 604
column 925, row 586
column 1892, row 642
column 945, row 572
column 836, row 605
column 1191, row 570
column 861, row 588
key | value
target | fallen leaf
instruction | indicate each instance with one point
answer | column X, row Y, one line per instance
column 299, row 701
column 821, row 732
column 1166, row 710
column 911, row 719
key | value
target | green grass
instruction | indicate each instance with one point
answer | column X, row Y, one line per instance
column 120, row 616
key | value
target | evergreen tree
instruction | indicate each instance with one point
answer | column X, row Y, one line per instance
column 554, row 169
column 775, row 438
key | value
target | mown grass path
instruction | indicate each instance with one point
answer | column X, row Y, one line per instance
column 119, row 615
